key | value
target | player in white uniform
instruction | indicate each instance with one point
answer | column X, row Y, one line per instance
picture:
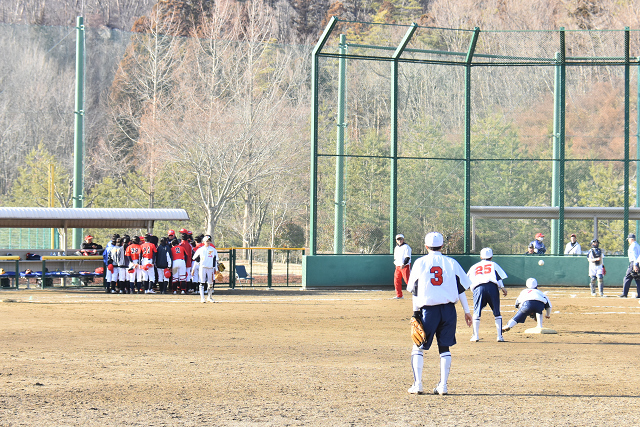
column 633, row 272
column 402, row 261
column 596, row 273
column 436, row 282
column 531, row 302
column 486, row 277
column 208, row 260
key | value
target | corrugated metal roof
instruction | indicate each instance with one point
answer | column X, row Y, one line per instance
column 549, row 212
column 86, row 217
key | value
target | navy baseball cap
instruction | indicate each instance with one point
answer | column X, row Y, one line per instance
column 631, row 236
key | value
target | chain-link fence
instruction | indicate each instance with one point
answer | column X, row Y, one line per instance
column 439, row 121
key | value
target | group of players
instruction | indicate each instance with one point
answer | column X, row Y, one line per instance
column 437, row 282
column 139, row 263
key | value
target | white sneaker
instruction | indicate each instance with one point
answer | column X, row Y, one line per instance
column 174, row 292
column 209, row 300
column 151, row 291
column 415, row 389
column 506, row 329
column 593, row 294
column 113, row 291
column 397, row 297
column 182, row 293
column 500, row 338
column 474, row 339
column 202, row 300
column 440, row 390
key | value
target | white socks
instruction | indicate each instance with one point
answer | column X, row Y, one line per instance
column 499, row 325
column 417, row 362
column 476, row 328
column 539, row 318
column 445, row 366
column 201, row 292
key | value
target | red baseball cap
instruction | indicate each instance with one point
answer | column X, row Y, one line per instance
column 89, row 236
column 539, row 235
column 171, row 233
column 184, row 230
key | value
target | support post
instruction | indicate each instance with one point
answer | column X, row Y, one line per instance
column 313, row 205
column 467, row 142
column 393, row 190
column 338, row 230
column 557, row 192
column 626, row 139
column 78, row 151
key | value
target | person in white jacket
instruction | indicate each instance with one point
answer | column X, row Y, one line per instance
column 207, row 256
column 402, row 261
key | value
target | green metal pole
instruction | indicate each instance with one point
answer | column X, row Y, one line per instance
column 338, row 231
column 467, row 142
column 637, row 149
column 313, row 205
column 626, row 137
column 78, row 152
column 393, row 190
column 557, row 189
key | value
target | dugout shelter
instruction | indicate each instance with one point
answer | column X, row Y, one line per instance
column 77, row 218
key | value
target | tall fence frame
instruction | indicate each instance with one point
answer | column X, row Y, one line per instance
column 469, row 60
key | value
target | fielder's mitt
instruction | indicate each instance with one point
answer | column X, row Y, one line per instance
column 218, row 277
column 221, row 267
column 417, row 331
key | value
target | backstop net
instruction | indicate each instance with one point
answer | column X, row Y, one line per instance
column 415, row 127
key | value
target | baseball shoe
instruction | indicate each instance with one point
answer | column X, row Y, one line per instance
column 397, row 297
column 602, row 295
column 209, row 300
column 151, row 291
column 622, row 296
column 593, row 294
column 440, row 390
column 474, row 339
column 506, row 329
column 174, row 292
column 202, row 300
column 500, row 339
column 182, row 293
column 415, row 389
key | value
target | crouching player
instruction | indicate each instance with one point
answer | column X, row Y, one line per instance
column 436, row 282
column 207, row 257
column 486, row 278
column 531, row 302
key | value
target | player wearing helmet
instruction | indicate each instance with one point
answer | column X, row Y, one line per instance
column 530, row 303
column 486, row 280
column 595, row 258
column 437, row 282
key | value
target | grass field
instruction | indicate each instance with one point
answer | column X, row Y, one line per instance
column 287, row 357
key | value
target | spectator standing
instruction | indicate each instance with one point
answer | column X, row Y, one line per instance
column 633, row 272
column 208, row 266
column 573, row 247
column 402, row 261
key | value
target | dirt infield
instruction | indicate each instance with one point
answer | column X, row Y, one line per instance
column 298, row 358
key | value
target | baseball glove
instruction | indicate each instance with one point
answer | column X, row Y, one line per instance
column 417, row 331
column 218, row 277
column 221, row 267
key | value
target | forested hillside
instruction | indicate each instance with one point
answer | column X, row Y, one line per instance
column 205, row 105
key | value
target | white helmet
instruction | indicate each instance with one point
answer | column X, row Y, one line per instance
column 486, row 253
column 532, row 283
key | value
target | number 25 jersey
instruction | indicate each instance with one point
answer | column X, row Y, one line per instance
column 486, row 272
column 434, row 280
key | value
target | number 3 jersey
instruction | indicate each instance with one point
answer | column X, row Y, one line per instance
column 434, row 280
column 486, row 272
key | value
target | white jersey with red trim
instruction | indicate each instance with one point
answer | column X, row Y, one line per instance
column 434, row 280
column 533, row 294
column 486, row 271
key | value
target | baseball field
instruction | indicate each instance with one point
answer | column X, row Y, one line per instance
column 289, row 357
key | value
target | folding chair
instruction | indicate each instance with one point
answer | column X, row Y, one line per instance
column 241, row 274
